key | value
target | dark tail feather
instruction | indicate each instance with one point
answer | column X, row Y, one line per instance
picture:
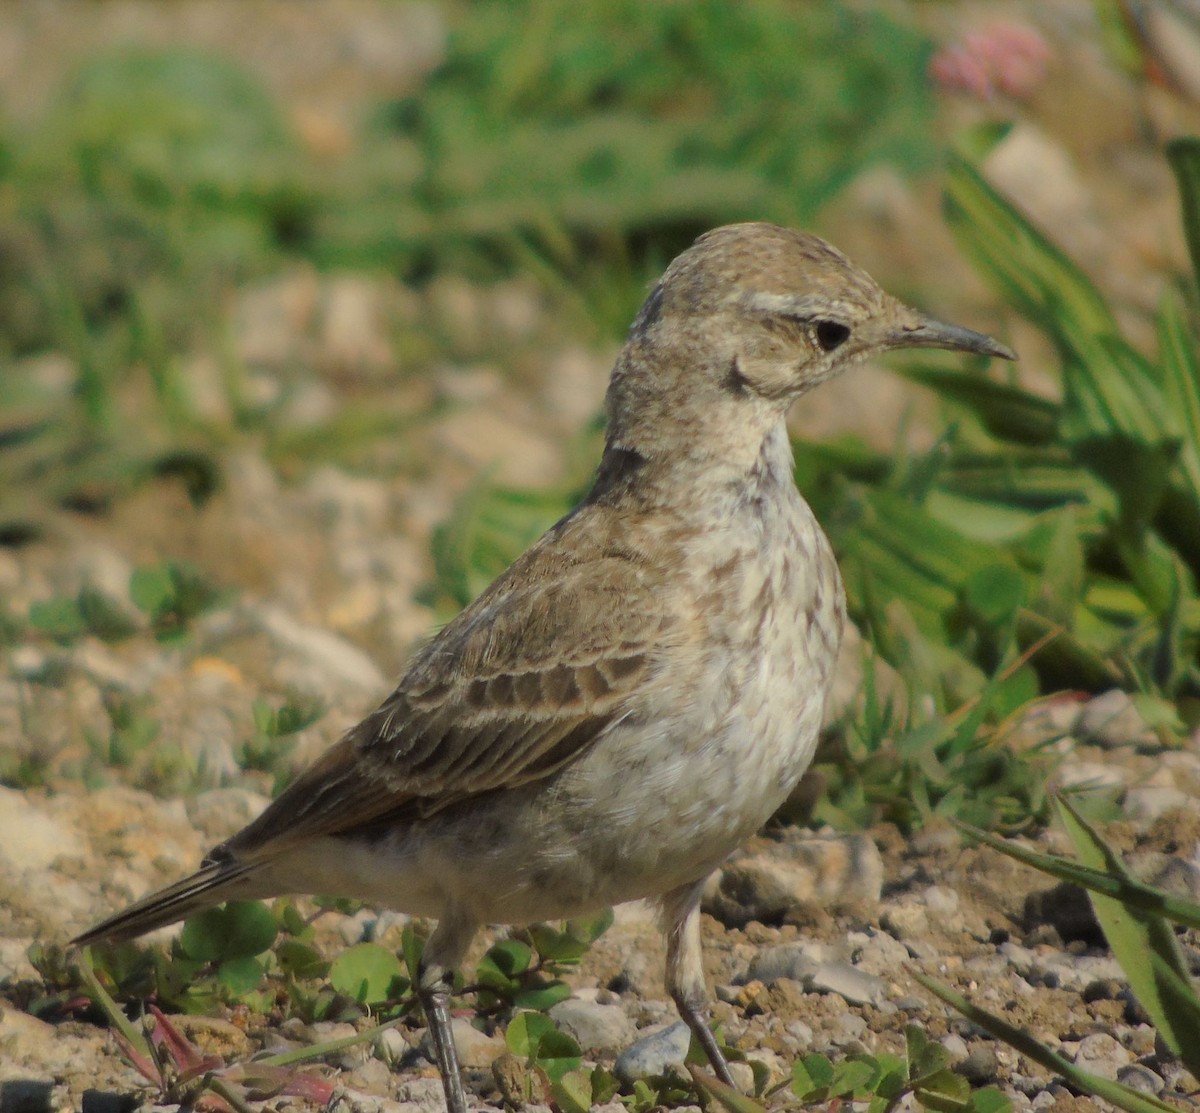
column 213, row 883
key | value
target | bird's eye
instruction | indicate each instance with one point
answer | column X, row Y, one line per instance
column 831, row 334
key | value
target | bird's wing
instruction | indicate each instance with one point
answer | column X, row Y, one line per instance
column 517, row 686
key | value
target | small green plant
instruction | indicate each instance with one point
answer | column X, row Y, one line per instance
column 169, row 596
column 524, row 971
column 269, row 748
column 884, row 1080
column 131, row 731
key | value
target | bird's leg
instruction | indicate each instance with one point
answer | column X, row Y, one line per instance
column 435, row 1002
column 685, row 970
column 443, row 953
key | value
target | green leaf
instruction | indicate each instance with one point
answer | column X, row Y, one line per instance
column 573, row 1091
column 558, row 1053
column 556, row 946
column 501, row 967
column 994, row 593
column 589, row 928
column 412, row 946
column 151, row 588
column 525, row 1031
column 1145, row 946
column 944, row 1091
column 511, row 956
column 1024, row 265
column 811, row 1077
column 542, row 998
column 989, row 1100
column 60, row 619
column 240, row 975
column 1184, row 156
column 235, row 930
column 851, row 1076
column 925, row 1057
column 300, row 960
column 366, row 973
column 1007, row 412
column 534, row 1036
column 1178, row 349
column 104, row 617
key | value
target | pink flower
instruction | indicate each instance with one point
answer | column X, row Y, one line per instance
column 1008, row 59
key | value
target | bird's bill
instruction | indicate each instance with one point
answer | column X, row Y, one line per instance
column 920, row 331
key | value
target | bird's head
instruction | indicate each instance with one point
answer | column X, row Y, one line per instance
column 747, row 319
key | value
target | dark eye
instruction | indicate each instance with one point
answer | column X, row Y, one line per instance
column 831, row 334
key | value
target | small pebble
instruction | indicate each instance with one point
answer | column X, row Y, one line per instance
column 653, row 1055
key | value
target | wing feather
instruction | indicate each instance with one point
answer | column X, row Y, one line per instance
column 516, row 687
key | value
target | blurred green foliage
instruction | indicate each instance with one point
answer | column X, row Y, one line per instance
column 583, row 144
column 602, row 129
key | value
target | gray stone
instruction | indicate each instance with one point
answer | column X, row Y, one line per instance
column 424, row 1094
column 876, row 952
column 1101, row 1054
column 1142, row 1078
column 595, row 1027
column 314, row 659
column 942, row 903
column 981, row 1065
column 1112, row 719
column 1148, row 802
column 905, row 917
column 1091, row 774
column 831, row 871
column 475, row 1048
column 1018, row 957
column 1177, row 875
column 847, row 1029
column 955, row 1044
column 391, row 1045
column 220, row 812
column 801, row 1032
column 796, row 961
column 857, row 986
column 29, row 839
column 655, row 1054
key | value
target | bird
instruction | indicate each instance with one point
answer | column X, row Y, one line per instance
column 641, row 690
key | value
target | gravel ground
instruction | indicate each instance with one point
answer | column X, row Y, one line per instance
column 809, row 935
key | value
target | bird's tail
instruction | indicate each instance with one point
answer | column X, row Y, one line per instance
column 213, row 883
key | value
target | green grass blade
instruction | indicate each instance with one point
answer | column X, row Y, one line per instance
column 1128, row 890
column 116, row 1017
column 1181, row 367
column 1109, row 387
column 1123, row 1097
column 1028, row 269
column 725, row 1096
column 1007, row 412
column 1184, row 157
column 1144, row 944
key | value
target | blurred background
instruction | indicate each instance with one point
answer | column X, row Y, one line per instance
column 306, row 314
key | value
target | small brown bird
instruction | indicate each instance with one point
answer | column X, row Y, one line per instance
column 639, row 692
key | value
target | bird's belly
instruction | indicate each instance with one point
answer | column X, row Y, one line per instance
column 656, row 802
column 646, row 809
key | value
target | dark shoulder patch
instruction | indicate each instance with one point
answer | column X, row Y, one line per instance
column 734, row 381
column 650, row 312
